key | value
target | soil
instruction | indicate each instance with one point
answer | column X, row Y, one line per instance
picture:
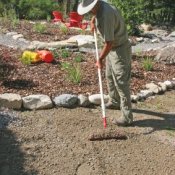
column 55, row 141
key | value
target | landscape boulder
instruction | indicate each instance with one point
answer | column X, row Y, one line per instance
column 169, row 84
column 153, row 88
column 143, row 94
column 83, row 101
column 166, row 55
column 10, row 100
column 66, row 100
column 96, row 99
column 37, row 102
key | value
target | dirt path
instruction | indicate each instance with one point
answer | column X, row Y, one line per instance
column 54, row 142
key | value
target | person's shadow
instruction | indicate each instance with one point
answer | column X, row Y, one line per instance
column 12, row 158
column 166, row 121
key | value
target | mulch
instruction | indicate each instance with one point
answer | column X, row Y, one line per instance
column 51, row 79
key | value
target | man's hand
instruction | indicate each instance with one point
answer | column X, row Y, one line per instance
column 99, row 64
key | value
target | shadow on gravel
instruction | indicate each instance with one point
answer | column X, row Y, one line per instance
column 166, row 121
column 11, row 157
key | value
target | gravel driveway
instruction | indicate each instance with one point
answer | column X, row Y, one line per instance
column 55, row 142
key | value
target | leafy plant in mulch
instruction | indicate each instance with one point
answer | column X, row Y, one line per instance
column 39, row 28
column 73, row 70
column 78, row 58
column 147, row 64
column 64, row 29
column 65, row 53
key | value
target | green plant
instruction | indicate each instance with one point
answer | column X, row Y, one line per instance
column 65, row 65
column 78, row 58
column 138, row 52
column 48, row 18
column 15, row 22
column 39, row 28
column 133, row 13
column 73, row 72
column 65, row 53
column 63, row 29
column 147, row 64
column 55, row 54
column 10, row 17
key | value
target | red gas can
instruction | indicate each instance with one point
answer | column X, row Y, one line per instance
column 46, row 56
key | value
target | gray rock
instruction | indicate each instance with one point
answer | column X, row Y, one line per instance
column 140, row 39
column 166, row 55
column 96, row 99
column 163, row 86
column 169, row 84
column 83, row 101
column 84, row 40
column 135, row 98
column 66, row 100
column 57, row 44
column 37, row 102
column 158, row 32
column 11, row 33
column 10, row 100
column 156, row 40
column 153, row 87
column 16, row 37
column 172, row 34
column 145, row 94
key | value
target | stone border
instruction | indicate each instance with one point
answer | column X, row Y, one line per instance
column 40, row 101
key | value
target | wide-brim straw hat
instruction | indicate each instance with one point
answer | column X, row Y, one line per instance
column 85, row 6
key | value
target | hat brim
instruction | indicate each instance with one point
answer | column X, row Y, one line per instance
column 83, row 10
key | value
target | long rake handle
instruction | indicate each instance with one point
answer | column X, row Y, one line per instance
column 100, row 84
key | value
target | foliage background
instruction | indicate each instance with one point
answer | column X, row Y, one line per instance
column 135, row 12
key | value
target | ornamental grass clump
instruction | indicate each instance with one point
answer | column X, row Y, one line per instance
column 78, row 58
column 65, row 53
column 74, row 73
column 147, row 64
column 39, row 28
column 64, row 29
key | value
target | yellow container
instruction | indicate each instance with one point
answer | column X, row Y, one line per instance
column 30, row 57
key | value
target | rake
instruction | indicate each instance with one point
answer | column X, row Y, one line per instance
column 99, row 136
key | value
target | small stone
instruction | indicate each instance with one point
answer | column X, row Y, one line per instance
column 83, row 101
column 169, row 84
column 96, row 99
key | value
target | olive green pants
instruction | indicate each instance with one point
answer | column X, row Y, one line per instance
column 118, row 72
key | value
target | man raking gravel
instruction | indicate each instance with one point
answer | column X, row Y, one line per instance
column 116, row 52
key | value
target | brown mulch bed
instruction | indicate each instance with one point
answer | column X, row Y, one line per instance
column 51, row 79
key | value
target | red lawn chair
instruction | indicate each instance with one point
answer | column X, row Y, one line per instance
column 58, row 17
column 75, row 20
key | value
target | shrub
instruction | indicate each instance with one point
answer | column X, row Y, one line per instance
column 132, row 11
column 31, row 9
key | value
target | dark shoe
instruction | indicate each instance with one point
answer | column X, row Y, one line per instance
column 121, row 122
column 111, row 105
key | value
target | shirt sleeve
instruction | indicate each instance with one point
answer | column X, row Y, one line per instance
column 106, row 27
